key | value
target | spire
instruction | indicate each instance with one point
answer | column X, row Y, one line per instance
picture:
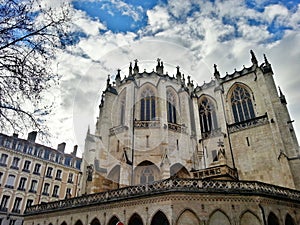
column 253, row 58
column 135, row 68
column 178, row 74
column 108, row 81
column 130, row 69
column 216, row 72
column 281, row 96
column 266, row 67
column 266, row 60
column 118, row 77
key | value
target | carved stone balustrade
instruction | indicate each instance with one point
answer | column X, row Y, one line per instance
column 147, row 124
column 222, row 171
column 180, row 128
column 213, row 133
column 255, row 122
column 117, row 130
column 171, row 185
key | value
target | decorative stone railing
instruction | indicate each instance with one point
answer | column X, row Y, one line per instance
column 117, row 130
column 180, row 128
column 147, row 124
column 217, row 171
column 171, row 186
column 212, row 133
column 255, row 122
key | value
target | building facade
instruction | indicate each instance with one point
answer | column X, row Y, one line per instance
column 166, row 151
column 31, row 174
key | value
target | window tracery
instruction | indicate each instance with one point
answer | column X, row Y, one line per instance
column 207, row 114
column 241, row 103
column 147, row 176
column 148, row 105
column 171, row 107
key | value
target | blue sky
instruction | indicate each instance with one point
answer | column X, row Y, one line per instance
column 194, row 34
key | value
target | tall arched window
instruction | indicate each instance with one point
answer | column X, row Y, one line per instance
column 148, row 111
column 171, row 106
column 122, row 110
column 207, row 114
column 241, row 103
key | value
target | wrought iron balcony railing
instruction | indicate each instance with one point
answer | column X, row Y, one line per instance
column 172, row 185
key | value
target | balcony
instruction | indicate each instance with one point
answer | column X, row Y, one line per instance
column 243, row 125
column 222, row 171
column 117, row 130
column 180, row 128
column 147, row 124
column 213, row 133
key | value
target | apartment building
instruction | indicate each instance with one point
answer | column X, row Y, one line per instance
column 31, row 173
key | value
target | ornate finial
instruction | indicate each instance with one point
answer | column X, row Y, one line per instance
column 118, row 77
column 281, row 96
column 158, row 61
column 130, row 69
column 189, row 79
column 160, row 66
column 136, row 68
column 216, row 72
column 108, row 80
column 253, row 58
column 266, row 60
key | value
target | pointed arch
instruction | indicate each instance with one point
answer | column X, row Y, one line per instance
column 172, row 105
column 113, row 221
column 188, row 217
column 289, row 220
column 218, row 217
column 114, row 174
column 272, row 219
column 135, row 219
column 147, row 102
column 78, row 222
column 249, row 218
column 178, row 170
column 159, row 219
column 122, row 106
column 146, row 172
column 95, row 221
column 241, row 99
column 63, row 223
column 207, row 113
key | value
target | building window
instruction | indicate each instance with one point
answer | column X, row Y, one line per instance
column 146, row 176
column 37, row 168
column 215, row 155
column 70, row 178
column 171, row 106
column 207, row 114
column 49, row 172
column 10, row 181
column 3, row 160
column 4, row 201
column 26, row 166
column 12, row 222
column 55, row 191
column 46, row 189
column 33, row 186
column 19, row 146
column 58, row 175
column 148, row 110
column 242, row 106
column 29, row 203
column 68, row 193
column 1, row 175
column 30, row 150
column 16, row 208
column 22, row 184
column 7, row 143
column 15, row 163
column 122, row 110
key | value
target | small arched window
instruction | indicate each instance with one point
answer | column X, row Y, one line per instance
column 148, row 110
column 242, row 106
column 171, row 106
column 207, row 114
column 147, row 176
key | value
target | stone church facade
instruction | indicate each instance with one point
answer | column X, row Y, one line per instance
column 166, row 151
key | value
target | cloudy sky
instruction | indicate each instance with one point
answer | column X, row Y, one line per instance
column 193, row 34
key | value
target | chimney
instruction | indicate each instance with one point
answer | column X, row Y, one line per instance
column 74, row 153
column 32, row 136
column 15, row 135
column 61, row 147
